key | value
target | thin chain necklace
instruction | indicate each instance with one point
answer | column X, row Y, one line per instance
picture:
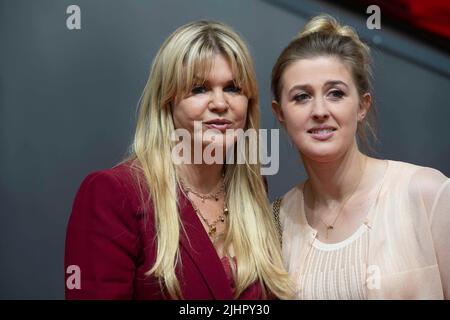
column 212, row 227
column 203, row 196
column 330, row 227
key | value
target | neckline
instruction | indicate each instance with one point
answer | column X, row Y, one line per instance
column 195, row 240
column 323, row 246
column 370, row 212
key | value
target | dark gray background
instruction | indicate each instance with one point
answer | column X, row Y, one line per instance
column 68, row 102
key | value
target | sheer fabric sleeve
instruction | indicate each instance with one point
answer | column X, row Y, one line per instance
column 434, row 189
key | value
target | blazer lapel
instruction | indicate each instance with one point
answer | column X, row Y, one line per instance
column 203, row 254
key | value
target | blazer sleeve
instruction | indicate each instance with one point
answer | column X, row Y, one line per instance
column 101, row 241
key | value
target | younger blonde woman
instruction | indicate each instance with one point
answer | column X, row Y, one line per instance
column 358, row 227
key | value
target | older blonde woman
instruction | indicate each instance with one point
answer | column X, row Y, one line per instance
column 358, row 227
column 150, row 228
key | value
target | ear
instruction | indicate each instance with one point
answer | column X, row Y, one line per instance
column 276, row 108
column 364, row 106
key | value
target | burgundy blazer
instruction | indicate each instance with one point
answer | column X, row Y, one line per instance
column 113, row 245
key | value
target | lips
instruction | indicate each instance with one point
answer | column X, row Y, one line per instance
column 219, row 124
column 322, row 133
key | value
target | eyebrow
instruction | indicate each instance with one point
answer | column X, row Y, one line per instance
column 197, row 81
column 306, row 87
column 335, row 82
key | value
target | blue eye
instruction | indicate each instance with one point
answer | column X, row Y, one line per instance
column 337, row 94
column 301, row 97
column 198, row 90
column 232, row 88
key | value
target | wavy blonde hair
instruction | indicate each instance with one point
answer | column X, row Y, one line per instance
column 324, row 36
column 187, row 54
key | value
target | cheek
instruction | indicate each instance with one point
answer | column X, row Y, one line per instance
column 188, row 111
column 295, row 120
column 240, row 111
column 180, row 119
column 176, row 117
column 348, row 120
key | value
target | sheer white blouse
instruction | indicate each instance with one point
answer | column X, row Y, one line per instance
column 408, row 238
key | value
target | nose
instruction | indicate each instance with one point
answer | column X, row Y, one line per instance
column 320, row 111
column 218, row 102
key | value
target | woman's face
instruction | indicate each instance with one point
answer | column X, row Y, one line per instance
column 216, row 104
column 320, row 107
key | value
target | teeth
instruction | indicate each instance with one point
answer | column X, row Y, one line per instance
column 322, row 131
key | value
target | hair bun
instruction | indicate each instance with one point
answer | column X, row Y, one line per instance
column 325, row 23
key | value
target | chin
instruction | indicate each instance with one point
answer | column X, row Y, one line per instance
column 216, row 141
column 324, row 153
column 219, row 142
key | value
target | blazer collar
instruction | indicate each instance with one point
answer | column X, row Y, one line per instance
column 201, row 250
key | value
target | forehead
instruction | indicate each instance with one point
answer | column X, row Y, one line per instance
column 219, row 69
column 316, row 72
column 211, row 67
column 207, row 68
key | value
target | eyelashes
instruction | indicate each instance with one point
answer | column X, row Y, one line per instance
column 233, row 89
column 204, row 89
column 198, row 90
column 333, row 95
column 301, row 97
column 337, row 94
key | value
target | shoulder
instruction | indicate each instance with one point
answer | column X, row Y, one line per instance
column 290, row 195
column 289, row 203
column 294, row 193
column 403, row 169
column 429, row 185
column 423, row 183
column 426, row 177
column 119, row 174
column 119, row 181
column 108, row 192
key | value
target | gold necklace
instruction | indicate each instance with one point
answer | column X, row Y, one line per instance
column 330, row 227
column 212, row 229
column 203, row 196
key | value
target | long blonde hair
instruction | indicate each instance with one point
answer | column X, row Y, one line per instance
column 186, row 54
column 324, row 36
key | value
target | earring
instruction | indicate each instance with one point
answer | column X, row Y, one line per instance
column 362, row 116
